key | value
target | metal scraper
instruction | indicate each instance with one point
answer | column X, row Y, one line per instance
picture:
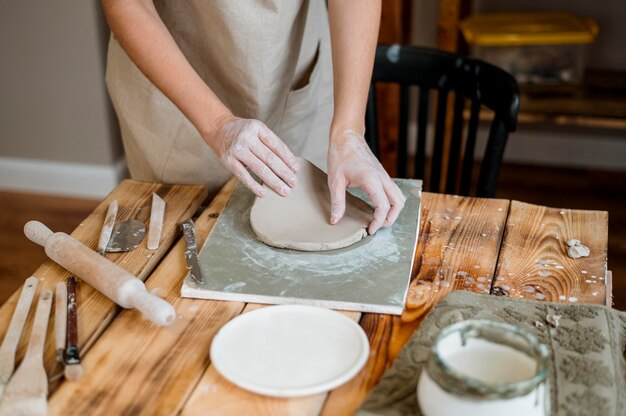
column 126, row 236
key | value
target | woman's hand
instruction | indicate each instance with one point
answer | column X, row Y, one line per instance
column 243, row 143
column 351, row 164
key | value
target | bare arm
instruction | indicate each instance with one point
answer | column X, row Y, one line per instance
column 354, row 32
column 238, row 143
column 143, row 35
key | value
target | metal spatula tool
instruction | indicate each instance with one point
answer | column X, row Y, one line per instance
column 126, row 236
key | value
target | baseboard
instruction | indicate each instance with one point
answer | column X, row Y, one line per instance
column 60, row 178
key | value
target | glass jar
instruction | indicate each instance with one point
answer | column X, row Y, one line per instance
column 484, row 368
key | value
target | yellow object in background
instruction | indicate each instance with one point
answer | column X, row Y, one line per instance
column 536, row 48
column 513, row 29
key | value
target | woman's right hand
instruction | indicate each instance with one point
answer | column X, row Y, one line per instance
column 241, row 144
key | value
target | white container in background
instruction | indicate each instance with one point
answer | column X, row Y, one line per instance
column 485, row 368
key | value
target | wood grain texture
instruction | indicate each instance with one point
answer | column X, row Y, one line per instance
column 156, row 222
column 214, row 395
column 134, row 200
column 394, row 29
column 157, row 368
column 18, row 256
column 533, row 262
column 457, row 249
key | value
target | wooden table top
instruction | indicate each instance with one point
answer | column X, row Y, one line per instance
column 132, row 367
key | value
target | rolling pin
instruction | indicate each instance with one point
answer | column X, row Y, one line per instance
column 107, row 277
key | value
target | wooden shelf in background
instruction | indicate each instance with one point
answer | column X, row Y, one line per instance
column 599, row 102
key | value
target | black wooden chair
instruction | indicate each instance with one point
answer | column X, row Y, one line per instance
column 468, row 79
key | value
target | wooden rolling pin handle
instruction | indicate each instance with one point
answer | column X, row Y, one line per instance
column 37, row 232
column 107, row 277
column 153, row 307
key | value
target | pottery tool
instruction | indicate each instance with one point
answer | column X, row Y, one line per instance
column 191, row 254
column 156, row 222
column 60, row 320
column 73, row 369
column 27, row 390
column 107, row 277
column 126, row 236
column 121, row 236
column 371, row 275
column 107, row 228
column 12, row 337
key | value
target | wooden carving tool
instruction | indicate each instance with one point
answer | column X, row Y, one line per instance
column 73, row 369
column 60, row 320
column 114, row 282
column 156, row 222
column 107, row 228
column 12, row 337
column 27, row 391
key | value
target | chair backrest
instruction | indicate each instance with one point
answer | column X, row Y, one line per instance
column 466, row 79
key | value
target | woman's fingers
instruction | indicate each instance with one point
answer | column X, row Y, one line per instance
column 279, row 147
column 396, row 201
column 337, row 187
column 245, row 178
column 267, row 156
column 264, row 173
column 376, row 193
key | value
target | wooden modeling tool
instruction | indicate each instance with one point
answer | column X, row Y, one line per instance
column 156, row 222
column 60, row 320
column 12, row 337
column 107, row 228
column 27, row 390
column 114, row 282
column 73, row 369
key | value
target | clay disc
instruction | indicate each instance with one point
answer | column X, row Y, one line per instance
column 300, row 221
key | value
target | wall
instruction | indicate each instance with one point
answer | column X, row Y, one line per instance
column 55, row 116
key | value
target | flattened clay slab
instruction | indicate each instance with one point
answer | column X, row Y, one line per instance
column 300, row 221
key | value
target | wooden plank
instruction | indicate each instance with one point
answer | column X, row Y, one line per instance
column 393, row 30
column 457, row 249
column 137, row 368
column 215, row 395
column 18, row 259
column 533, row 262
column 134, row 200
column 448, row 20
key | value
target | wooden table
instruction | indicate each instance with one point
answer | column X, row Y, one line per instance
column 132, row 367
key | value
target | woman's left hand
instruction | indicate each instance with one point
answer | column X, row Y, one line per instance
column 351, row 164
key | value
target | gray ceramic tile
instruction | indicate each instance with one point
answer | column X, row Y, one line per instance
column 369, row 276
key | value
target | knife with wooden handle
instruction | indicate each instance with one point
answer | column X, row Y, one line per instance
column 60, row 319
column 13, row 334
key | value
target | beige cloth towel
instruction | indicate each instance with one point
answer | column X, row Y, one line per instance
column 268, row 60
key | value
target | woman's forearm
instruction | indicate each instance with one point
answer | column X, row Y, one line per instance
column 354, row 33
column 145, row 38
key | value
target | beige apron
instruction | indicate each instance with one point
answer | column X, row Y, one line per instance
column 268, row 60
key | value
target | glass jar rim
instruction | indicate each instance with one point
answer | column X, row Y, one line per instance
column 460, row 384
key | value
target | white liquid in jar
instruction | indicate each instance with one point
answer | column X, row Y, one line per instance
column 487, row 362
